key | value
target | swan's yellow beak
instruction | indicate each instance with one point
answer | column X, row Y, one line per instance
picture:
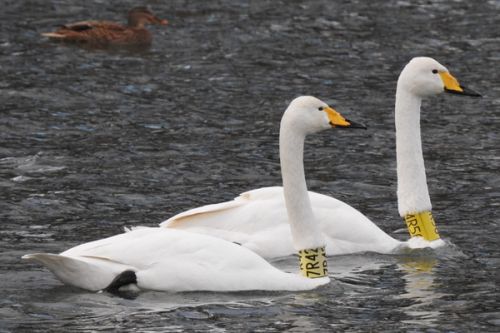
column 451, row 85
column 337, row 120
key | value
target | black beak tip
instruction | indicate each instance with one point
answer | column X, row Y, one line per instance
column 355, row 124
column 472, row 93
column 465, row 92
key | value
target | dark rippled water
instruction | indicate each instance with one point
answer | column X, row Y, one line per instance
column 92, row 141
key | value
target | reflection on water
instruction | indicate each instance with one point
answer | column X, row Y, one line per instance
column 421, row 289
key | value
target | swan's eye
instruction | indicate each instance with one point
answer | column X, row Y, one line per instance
column 435, row 71
column 321, row 108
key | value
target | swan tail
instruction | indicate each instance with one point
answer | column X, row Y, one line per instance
column 90, row 273
column 123, row 279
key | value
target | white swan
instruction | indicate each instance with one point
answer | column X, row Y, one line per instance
column 258, row 220
column 421, row 77
column 175, row 260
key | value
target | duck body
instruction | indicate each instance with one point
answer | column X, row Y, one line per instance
column 258, row 220
column 170, row 260
column 108, row 33
column 101, row 33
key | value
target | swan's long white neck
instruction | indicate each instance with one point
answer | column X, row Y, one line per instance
column 413, row 194
column 306, row 233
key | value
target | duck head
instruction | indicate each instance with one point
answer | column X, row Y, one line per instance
column 138, row 17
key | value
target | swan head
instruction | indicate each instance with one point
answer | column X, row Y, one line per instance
column 424, row 76
column 310, row 115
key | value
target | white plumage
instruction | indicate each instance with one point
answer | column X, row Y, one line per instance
column 258, row 219
column 170, row 260
column 175, row 260
column 271, row 221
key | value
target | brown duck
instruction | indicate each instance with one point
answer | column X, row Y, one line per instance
column 107, row 33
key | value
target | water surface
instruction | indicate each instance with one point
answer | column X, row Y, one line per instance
column 92, row 141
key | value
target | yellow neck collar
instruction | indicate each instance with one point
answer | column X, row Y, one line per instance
column 422, row 224
column 313, row 263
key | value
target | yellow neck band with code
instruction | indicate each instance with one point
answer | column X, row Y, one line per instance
column 422, row 225
column 313, row 263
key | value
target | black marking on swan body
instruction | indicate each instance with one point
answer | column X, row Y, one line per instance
column 122, row 279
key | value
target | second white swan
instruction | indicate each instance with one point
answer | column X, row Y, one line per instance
column 258, row 219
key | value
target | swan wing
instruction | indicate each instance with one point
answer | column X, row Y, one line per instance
column 239, row 214
column 258, row 220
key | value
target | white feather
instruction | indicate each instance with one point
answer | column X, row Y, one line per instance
column 258, row 220
column 170, row 260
